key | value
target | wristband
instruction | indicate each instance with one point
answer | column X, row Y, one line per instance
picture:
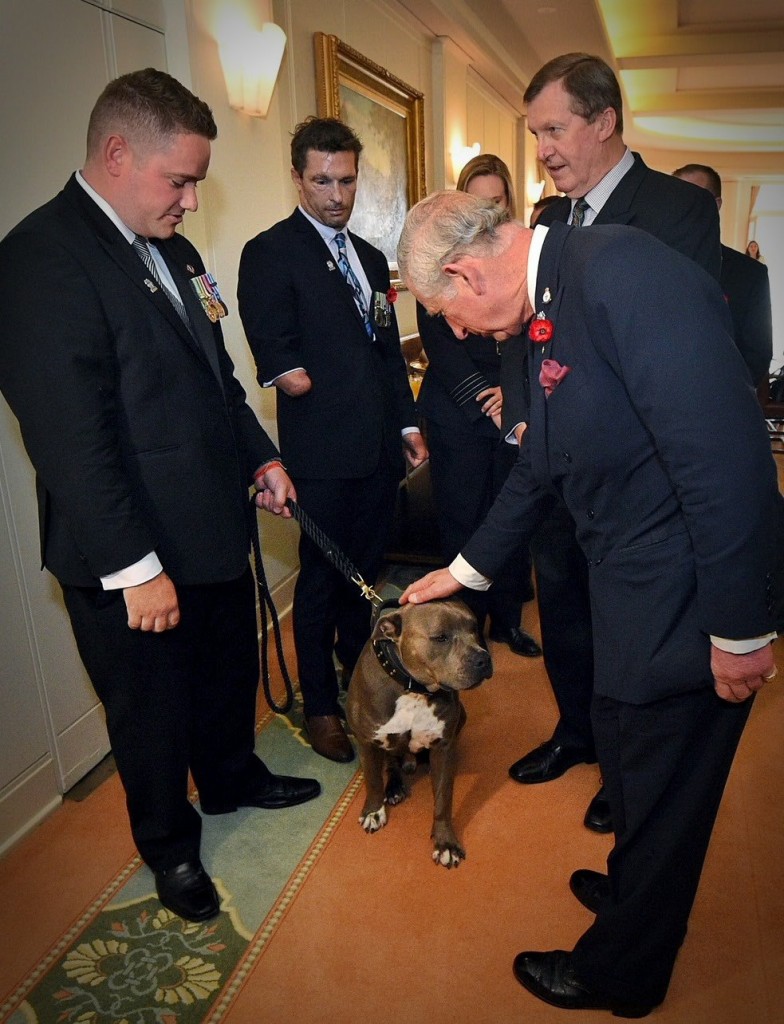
column 272, row 464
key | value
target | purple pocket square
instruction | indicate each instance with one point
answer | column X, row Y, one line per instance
column 551, row 375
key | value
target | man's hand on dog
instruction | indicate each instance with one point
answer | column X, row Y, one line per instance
column 435, row 585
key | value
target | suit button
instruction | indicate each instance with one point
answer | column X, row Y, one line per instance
column 566, row 456
column 590, row 513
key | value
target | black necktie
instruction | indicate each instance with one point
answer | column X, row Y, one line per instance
column 143, row 251
column 353, row 282
column 578, row 213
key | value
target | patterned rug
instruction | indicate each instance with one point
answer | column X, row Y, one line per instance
column 127, row 960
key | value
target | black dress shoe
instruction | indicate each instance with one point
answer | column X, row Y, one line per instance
column 546, row 762
column 188, row 891
column 277, row 792
column 518, row 640
column 591, row 888
column 597, row 817
column 551, row 978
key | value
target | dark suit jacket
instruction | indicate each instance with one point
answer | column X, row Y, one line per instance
column 138, row 431
column 457, row 371
column 298, row 311
column 677, row 212
column 745, row 284
column 660, row 452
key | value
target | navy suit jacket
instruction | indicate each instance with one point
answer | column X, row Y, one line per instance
column 677, row 212
column 657, row 445
column 298, row 311
column 138, row 430
column 457, row 371
column 746, row 286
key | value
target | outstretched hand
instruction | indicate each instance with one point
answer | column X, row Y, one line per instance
column 435, row 585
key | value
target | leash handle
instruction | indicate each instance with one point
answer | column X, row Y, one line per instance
column 266, row 602
column 332, row 552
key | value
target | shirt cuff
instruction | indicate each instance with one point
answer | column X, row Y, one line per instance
column 742, row 646
column 467, row 576
column 410, row 430
column 269, row 383
column 143, row 571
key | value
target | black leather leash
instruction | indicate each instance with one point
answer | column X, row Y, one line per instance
column 333, row 553
column 266, row 603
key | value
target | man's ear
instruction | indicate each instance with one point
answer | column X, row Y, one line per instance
column 607, row 122
column 116, row 154
column 467, row 270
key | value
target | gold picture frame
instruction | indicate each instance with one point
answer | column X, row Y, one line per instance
column 388, row 117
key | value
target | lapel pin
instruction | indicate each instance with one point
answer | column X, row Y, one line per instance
column 547, row 297
column 330, row 265
column 190, row 269
column 153, row 287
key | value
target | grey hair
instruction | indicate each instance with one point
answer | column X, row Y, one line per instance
column 439, row 229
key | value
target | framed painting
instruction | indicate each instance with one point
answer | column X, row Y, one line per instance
column 388, row 116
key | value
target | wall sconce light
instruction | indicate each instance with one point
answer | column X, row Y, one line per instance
column 534, row 191
column 251, row 61
column 460, row 157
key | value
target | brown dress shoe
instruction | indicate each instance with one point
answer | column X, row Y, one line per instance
column 328, row 738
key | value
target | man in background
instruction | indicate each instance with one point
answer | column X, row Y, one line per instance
column 317, row 309
column 145, row 450
column 746, row 287
column 574, row 110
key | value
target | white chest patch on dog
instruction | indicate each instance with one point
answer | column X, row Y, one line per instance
column 412, row 714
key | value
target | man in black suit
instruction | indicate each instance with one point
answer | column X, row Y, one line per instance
column 574, row 110
column 746, row 288
column 145, row 451
column 316, row 304
column 660, row 453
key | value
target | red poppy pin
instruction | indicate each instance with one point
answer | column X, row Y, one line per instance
column 392, row 295
column 541, row 329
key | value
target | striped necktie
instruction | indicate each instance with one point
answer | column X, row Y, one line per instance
column 578, row 213
column 353, row 282
column 142, row 248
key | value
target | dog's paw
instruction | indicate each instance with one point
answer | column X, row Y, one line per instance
column 449, row 855
column 372, row 821
column 409, row 763
column 395, row 793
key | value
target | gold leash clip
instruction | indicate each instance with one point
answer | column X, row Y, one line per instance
column 367, row 591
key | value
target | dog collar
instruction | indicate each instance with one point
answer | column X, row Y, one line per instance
column 389, row 660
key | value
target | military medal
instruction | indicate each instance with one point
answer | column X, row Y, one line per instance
column 206, row 288
column 382, row 308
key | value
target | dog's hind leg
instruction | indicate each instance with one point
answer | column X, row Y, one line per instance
column 396, row 789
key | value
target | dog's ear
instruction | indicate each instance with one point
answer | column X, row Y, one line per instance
column 390, row 626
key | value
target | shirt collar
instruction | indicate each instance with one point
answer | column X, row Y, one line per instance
column 599, row 194
column 326, row 232
column 107, row 209
column 534, row 254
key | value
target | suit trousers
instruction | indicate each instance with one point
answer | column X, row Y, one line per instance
column 330, row 615
column 466, row 473
column 179, row 700
column 665, row 766
column 565, row 621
